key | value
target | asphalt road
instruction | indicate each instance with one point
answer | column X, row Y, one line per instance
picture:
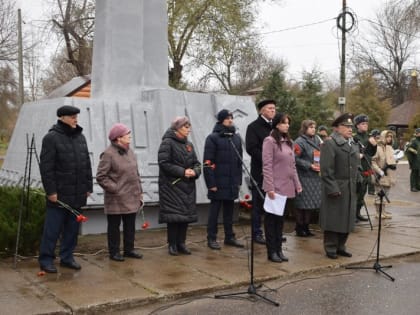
column 340, row 291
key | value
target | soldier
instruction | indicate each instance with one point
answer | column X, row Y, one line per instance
column 413, row 156
column 367, row 148
column 339, row 164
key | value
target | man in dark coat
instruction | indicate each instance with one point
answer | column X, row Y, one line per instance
column 413, row 156
column 223, row 176
column 367, row 149
column 66, row 174
column 256, row 132
column 339, row 163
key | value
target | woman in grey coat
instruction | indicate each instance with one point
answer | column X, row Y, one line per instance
column 307, row 154
column 119, row 177
column 340, row 162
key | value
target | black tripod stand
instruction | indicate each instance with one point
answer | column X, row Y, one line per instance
column 377, row 266
column 24, row 201
column 252, row 288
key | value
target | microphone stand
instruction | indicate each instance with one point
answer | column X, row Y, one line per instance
column 252, row 288
column 377, row 266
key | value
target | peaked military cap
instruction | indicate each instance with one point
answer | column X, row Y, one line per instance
column 345, row 119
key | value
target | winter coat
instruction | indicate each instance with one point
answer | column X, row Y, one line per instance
column 413, row 153
column 310, row 197
column 227, row 174
column 384, row 161
column 177, row 194
column 65, row 165
column 256, row 132
column 339, row 173
column 279, row 168
column 119, row 177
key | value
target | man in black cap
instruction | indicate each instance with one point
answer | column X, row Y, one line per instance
column 66, row 175
column 256, row 132
column 323, row 132
column 367, row 148
column 223, row 148
column 339, row 164
column 413, row 156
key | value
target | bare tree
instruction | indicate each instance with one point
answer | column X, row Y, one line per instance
column 74, row 21
column 8, row 27
column 389, row 45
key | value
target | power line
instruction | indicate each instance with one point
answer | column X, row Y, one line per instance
column 295, row 27
column 390, row 28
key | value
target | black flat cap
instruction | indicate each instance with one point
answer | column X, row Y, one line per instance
column 265, row 102
column 67, row 111
column 417, row 130
column 345, row 119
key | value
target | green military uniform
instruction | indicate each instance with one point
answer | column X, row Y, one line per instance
column 413, row 156
column 368, row 150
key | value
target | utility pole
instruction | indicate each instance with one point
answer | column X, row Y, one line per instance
column 20, row 60
column 342, row 99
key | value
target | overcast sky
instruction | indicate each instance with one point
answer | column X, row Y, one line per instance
column 304, row 47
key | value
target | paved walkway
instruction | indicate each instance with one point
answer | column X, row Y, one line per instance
column 103, row 285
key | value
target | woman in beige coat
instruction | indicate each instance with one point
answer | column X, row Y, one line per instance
column 119, row 177
column 384, row 165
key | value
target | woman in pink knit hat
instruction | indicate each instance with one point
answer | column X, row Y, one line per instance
column 119, row 177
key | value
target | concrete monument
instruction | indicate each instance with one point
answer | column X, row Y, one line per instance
column 129, row 85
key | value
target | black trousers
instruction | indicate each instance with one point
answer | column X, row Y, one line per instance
column 129, row 230
column 273, row 228
column 215, row 206
column 334, row 241
column 177, row 233
column 257, row 210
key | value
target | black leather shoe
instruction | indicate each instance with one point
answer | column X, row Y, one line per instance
column 49, row 268
column 116, row 257
column 172, row 250
column 133, row 254
column 414, row 190
column 259, row 239
column 274, row 258
column 284, row 239
column 301, row 233
column 71, row 265
column 332, row 255
column 282, row 257
column 234, row 242
column 344, row 253
column 183, row 249
column 361, row 218
column 213, row 244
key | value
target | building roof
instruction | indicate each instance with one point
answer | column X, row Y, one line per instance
column 76, row 87
column 401, row 114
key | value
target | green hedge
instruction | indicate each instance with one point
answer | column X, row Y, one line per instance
column 32, row 221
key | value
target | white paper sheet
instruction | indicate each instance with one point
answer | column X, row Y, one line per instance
column 275, row 206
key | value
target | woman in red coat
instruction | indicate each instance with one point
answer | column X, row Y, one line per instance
column 280, row 177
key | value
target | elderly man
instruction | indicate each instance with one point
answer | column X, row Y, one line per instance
column 256, row 132
column 339, row 163
column 67, row 177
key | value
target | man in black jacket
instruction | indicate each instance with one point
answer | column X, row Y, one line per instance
column 256, row 132
column 67, row 177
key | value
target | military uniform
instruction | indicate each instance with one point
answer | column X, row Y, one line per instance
column 339, row 164
column 413, row 156
column 367, row 150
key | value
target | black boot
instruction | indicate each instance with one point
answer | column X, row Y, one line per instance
column 307, row 230
column 281, row 255
column 183, row 249
column 359, row 217
column 274, row 257
column 300, row 230
column 172, row 250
